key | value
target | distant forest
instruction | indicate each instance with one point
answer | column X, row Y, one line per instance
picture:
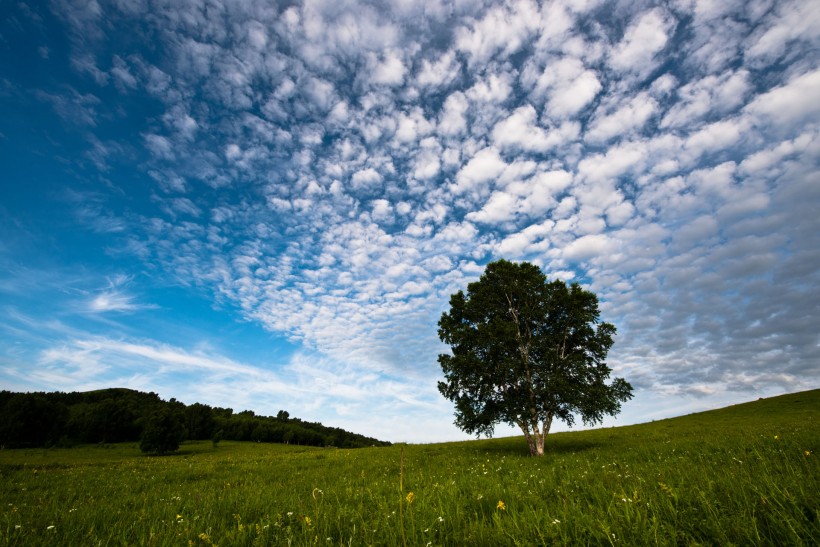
column 120, row 415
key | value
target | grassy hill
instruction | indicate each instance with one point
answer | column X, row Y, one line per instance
column 746, row 474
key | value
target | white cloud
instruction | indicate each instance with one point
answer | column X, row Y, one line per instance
column 500, row 207
column 88, row 65
column 365, row 178
column 320, row 92
column 619, row 213
column 531, row 240
column 233, row 152
column 624, row 120
column 520, row 132
column 382, row 209
column 440, row 72
column 587, row 247
column 159, row 146
column 716, row 136
column 527, row 194
column 115, row 299
column 765, row 159
column 483, row 167
column 567, row 85
column 612, row 164
column 708, row 96
column 428, row 165
column 493, row 89
column 790, row 102
column 412, row 126
column 642, row 41
column 790, row 21
column 122, row 75
column 453, row 120
column 388, row 70
column 539, row 193
column 503, row 30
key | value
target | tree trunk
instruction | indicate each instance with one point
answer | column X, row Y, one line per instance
column 528, row 436
column 539, row 445
column 535, row 440
column 531, row 442
column 542, row 436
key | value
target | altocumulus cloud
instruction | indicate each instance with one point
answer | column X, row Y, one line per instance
column 334, row 170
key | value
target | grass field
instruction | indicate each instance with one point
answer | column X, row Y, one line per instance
column 745, row 475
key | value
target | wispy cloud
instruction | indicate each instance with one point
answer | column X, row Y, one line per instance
column 338, row 394
column 114, row 298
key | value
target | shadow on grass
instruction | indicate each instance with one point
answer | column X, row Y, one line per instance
column 176, row 454
column 570, row 446
column 517, row 446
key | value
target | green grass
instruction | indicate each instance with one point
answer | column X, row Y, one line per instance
column 745, row 475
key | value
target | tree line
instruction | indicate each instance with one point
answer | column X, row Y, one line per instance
column 40, row 419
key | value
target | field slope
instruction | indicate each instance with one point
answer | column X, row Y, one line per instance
column 746, row 474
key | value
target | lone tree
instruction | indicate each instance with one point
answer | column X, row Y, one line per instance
column 162, row 432
column 526, row 351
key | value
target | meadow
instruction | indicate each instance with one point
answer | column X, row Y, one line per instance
column 744, row 475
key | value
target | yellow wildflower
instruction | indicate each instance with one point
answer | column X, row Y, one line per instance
column 410, row 497
column 501, row 506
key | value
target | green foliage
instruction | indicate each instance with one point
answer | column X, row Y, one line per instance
column 200, row 421
column 118, row 415
column 163, row 432
column 110, row 420
column 526, row 351
column 30, row 420
column 744, row 475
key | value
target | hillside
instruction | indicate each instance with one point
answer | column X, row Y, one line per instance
column 743, row 475
column 772, row 416
column 770, row 410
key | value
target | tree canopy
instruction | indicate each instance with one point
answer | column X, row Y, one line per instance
column 163, row 432
column 526, row 351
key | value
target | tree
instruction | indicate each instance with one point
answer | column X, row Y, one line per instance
column 526, row 351
column 163, row 431
column 111, row 421
column 31, row 419
column 200, row 421
column 216, row 438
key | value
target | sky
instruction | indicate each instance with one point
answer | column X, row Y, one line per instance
column 266, row 205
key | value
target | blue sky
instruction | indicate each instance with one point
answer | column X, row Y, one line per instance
column 266, row 205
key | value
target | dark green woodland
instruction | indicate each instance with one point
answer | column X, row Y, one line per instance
column 29, row 420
